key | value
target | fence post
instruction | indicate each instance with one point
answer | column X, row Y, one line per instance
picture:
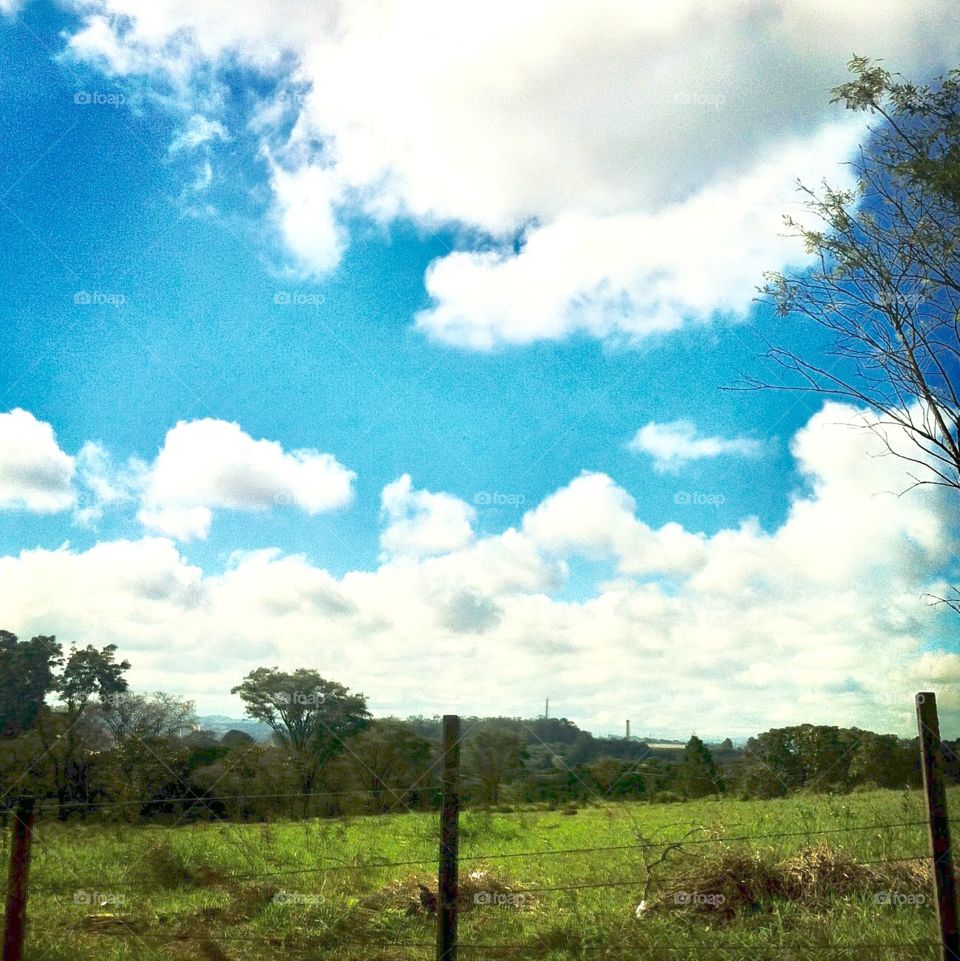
column 931, row 755
column 447, row 881
column 16, row 914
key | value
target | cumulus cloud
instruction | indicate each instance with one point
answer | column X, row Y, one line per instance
column 35, row 474
column 675, row 444
column 419, row 522
column 819, row 619
column 642, row 154
column 207, row 464
column 633, row 275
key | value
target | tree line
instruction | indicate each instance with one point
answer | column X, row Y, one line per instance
column 73, row 735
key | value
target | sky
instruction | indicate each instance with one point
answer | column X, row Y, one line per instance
column 396, row 340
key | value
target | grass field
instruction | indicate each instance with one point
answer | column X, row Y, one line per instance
column 225, row 891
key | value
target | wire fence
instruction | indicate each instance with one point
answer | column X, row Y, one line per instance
column 643, row 868
column 117, row 925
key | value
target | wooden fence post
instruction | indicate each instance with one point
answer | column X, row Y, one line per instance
column 16, row 914
column 931, row 755
column 447, row 882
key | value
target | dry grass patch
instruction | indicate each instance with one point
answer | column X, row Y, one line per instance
column 736, row 882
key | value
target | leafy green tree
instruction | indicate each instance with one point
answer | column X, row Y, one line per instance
column 70, row 734
column 697, row 774
column 883, row 760
column 26, row 678
column 311, row 717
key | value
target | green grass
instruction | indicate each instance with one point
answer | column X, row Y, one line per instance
column 210, row 891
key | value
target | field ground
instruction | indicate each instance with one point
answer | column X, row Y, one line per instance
column 218, row 891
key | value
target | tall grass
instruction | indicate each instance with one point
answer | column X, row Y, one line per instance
column 215, row 891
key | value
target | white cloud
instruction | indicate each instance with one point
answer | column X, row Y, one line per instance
column 634, row 275
column 197, row 131
column 594, row 517
column 180, row 523
column 420, row 522
column 820, row 619
column 35, row 474
column 675, row 444
column 305, row 214
column 644, row 152
column 206, row 464
column 102, row 484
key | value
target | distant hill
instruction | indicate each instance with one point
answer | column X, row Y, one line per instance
column 220, row 724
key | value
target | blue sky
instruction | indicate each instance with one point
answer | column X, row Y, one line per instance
column 203, row 198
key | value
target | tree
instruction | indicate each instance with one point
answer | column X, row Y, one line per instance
column 885, row 283
column 493, row 754
column 311, row 717
column 697, row 774
column 147, row 717
column 390, row 760
column 237, row 740
column 143, row 730
column 884, row 761
column 87, row 674
column 26, row 677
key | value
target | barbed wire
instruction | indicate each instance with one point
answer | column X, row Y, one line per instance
column 513, row 855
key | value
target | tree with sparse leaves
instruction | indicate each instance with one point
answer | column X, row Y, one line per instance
column 493, row 755
column 885, row 281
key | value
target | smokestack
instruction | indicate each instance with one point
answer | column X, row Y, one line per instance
column 628, row 729
column 546, row 713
